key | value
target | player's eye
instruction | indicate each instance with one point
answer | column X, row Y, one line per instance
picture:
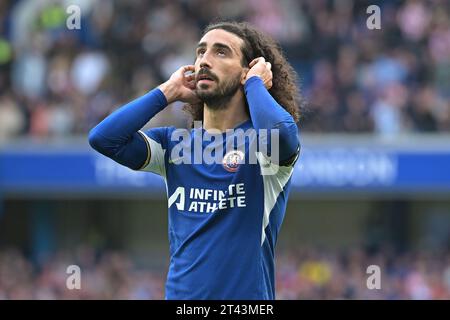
column 200, row 52
column 221, row 52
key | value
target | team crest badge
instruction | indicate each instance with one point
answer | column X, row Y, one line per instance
column 232, row 160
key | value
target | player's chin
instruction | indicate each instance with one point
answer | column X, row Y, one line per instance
column 205, row 85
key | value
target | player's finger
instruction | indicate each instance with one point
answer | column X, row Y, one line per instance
column 188, row 68
column 190, row 77
column 253, row 62
column 191, row 85
column 269, row 65
column 257, row 60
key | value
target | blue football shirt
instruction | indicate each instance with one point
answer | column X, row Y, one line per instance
column 224, row 218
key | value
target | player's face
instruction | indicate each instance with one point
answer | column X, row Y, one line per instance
column 218, row 67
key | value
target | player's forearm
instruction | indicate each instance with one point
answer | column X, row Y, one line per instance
column 117, row 135
column 130, row 118
column 266, row 113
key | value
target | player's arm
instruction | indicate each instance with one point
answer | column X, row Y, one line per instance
column 118, row 136
column 266, row 113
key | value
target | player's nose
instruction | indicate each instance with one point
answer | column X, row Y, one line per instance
column 205, row 62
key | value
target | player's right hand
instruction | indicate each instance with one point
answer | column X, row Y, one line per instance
column 181, row 86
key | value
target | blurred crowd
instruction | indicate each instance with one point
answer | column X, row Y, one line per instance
column 312, row 273
column 307, row 273
column 56, row 82
column 109, row 276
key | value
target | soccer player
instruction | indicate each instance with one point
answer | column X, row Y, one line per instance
column 224, row 217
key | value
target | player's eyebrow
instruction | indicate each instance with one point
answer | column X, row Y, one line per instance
column 218, row 45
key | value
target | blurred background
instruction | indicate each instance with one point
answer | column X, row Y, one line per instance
column 372, row 185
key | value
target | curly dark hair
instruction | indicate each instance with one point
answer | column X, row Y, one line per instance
column 285, row 89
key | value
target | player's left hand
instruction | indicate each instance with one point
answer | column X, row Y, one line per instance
column 261, row 68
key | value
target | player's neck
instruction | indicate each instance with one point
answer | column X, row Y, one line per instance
column 226, row 118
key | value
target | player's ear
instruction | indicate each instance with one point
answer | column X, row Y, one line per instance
column 244, row 74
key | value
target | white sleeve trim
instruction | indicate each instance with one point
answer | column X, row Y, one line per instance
column 275, row 179
column 156, row 163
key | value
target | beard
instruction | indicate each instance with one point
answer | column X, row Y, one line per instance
column 219, row 97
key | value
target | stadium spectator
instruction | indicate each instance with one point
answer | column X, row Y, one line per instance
column 350, row 75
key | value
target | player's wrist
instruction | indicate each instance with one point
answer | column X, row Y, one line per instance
column 170, row 91
column 253, row 77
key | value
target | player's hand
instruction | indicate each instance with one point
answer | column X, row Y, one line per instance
column 259, row 67
column 181, row 86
